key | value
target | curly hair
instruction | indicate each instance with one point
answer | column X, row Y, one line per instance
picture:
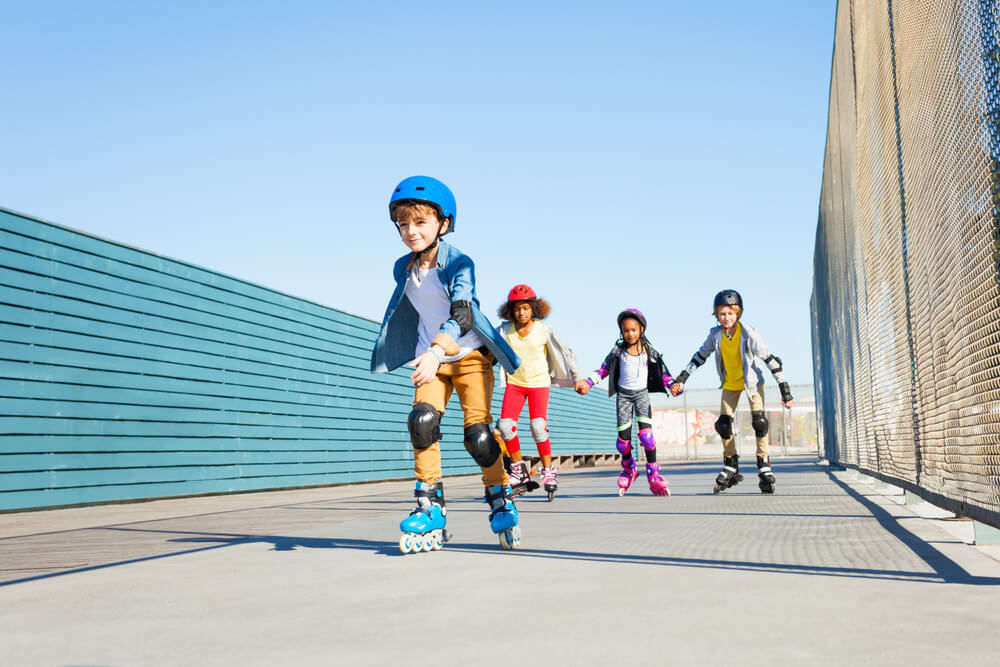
column 540, row 309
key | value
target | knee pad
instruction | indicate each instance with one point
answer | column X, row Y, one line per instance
column 760, row 423
column 724, row 426
column 424, row 423
column 480, row 443
column 646, row 438
column 624, row 447
column 508, row 429
column 539, row 429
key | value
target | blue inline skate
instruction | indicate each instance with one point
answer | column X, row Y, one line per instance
column 503, row 516
column 424, row 529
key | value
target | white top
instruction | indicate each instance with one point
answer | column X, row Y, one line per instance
column 633, row 371
column 426, row 293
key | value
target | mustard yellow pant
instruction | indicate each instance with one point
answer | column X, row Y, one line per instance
column 730, row 398
column 471, row 377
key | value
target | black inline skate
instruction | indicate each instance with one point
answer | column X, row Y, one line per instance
column 730, row 475
column 766, row 476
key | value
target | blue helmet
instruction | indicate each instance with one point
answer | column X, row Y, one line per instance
column 426, row 190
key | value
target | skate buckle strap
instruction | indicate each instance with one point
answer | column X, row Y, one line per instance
column 732, row 469
column 764, row 469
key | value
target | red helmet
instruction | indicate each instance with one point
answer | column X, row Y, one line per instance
column 521, row 293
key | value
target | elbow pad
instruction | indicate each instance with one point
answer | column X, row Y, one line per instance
column 461, row 312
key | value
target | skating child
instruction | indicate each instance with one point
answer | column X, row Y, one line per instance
column 433, row 324
column 545, row 361
column 739, row 352
column 636, row 369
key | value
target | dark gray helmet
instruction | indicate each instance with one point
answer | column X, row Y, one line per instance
column 728, row 297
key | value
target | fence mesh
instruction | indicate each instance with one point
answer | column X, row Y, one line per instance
column 906, row 326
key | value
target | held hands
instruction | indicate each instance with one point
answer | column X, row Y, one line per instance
column 582, row 387
column 676, row 388
column 788, row 404
column 426, row 366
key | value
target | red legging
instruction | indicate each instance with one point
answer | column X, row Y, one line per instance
column 538, row 406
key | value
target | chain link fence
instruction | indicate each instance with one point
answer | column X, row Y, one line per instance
column 906, row 333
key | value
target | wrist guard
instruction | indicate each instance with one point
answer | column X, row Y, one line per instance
column 786, row 392
column 682, row 377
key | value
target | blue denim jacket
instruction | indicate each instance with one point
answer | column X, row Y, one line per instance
column 397, row 340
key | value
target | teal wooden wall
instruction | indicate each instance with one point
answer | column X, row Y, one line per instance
column 126, row 375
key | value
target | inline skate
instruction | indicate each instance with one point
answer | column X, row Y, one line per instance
column 520, row 479
column 503, row 516
column 766, row 476
column 549, row 482
column 423, row 529
column 628, row 474
column 657, row 485
column 730, row 475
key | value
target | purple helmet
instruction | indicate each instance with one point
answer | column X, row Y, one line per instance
column 635, row 314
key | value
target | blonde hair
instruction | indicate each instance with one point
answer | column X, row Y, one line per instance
column 738, row 309
column 405, row 211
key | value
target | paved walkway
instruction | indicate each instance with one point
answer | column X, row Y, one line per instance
column 828, row 571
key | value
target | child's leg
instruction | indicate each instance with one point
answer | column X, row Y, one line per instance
column 424, row 424
column 724, row 425
column 758, row 418
column 626, row 408
column 759, row 421
column 472, row 378
column 538, row 407
column 513, row 402
column 644, row 419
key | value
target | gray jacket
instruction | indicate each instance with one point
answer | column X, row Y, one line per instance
column 563, row 369
column 754, row 352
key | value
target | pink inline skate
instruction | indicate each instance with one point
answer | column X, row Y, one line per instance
column 627, row 476
column 549, row 482
column 657, row 485
column 520, row 479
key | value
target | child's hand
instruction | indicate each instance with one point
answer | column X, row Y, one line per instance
column 677, row 388
column 426, row 366
column 789, row 403
column 582, row 387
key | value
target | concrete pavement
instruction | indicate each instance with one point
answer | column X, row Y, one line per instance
column 828, row 571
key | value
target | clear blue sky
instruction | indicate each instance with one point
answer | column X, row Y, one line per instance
column 619, row 154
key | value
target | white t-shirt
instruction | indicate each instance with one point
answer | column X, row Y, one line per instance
column 427, row 295
column 632, row 371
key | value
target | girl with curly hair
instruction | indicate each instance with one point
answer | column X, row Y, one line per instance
column 545, row 361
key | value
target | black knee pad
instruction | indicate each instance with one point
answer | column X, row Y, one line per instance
column 424, row 423
column 759, row 422
column 724, row 426
column 479, row 441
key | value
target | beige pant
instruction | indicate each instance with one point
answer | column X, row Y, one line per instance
column 730, row 397
column 471, row 377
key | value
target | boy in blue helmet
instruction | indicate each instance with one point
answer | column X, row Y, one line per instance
column 739, row 352
column 433, row 325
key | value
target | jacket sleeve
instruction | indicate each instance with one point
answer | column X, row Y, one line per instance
column 759, row 349
column 661, row 366
column 462, row 292
column 601, row 372
column 699, row 358
column 567, row 354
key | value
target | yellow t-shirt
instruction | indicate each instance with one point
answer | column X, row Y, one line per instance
column 534, row 368
column 732, row 359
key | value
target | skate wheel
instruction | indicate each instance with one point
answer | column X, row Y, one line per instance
column 506, row 541
column 436, row 544
column 426, row 543
column 621, row 491
column 405, row 543
column 552, row 495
